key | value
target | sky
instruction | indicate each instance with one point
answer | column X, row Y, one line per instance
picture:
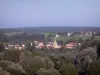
column 35, row 13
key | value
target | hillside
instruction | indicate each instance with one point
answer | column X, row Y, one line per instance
column 50, row 29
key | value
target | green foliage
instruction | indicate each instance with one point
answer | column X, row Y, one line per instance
column 51, row 71
column 32, row 64
column 79, row 40
column 33, row 54
column 2, row 72
column 2, row 48
column 57, row 63
column 68, row 69
column 92, row 43
column 12, row 68
column 98, row 50
column 88, row 43
column 26, row 53
column 89, row 53
column 94, row 68
column 2, row 36
column 11, row 55
column 73, row 38
column 64, row 65
column 30, row 45
column 36, row 54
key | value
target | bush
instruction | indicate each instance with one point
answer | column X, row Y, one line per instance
column 12, row 68
column 32, row 64
column 2, row 47
column 94, row 68
column 64, row 65
column 2, row 72
column 51, row 71
column 68, row 69
column 88, row 54
column 12, row 55
column 36, row 54
column 86, row 57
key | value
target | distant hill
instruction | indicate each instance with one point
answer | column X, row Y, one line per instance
column 50, row 29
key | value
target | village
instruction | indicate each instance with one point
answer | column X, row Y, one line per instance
column 51, row 44
column 41, row 45
column 41, row 42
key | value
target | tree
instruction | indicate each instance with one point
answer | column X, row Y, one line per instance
column 94, row 68
column 98, row 50
column 1, row 36
column 2, row 72
column 68, row 69
column 79, row 40
column 64, row 65
column 30, row 45
column 89, row 53
column 11, row 55
column 2, row 47
column 32, row 64
column 86, row 57
column 12, row 68
column 51, row 71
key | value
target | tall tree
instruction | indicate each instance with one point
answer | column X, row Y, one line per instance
column 30, row 45
column 98, row 50
column 2, row 47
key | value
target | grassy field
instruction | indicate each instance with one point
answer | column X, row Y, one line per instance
column 65, row 38
column 97, row 38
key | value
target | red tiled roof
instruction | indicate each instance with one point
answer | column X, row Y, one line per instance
column 71, row 45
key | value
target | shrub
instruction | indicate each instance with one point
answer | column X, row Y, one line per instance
column 32, row 64
column 64, row 65
column 36, row 54
column 2, row 72
column 94, row 68
column 68, row 69
column 12, row 68
column 12, row 55
column 51, row 71
column 89, row 52
column 86, row 56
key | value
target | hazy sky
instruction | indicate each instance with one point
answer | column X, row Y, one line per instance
column 20, row 13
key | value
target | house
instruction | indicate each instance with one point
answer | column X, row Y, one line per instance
column 40, row 45
column 56, row 45
column 71, row 45
column 49, row 45
column 15, row 46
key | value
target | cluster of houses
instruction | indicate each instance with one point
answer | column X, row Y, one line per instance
column 40, row 45
column 15, row 46
column 89, row 33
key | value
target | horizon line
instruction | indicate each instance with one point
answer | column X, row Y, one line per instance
column 45, row 26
